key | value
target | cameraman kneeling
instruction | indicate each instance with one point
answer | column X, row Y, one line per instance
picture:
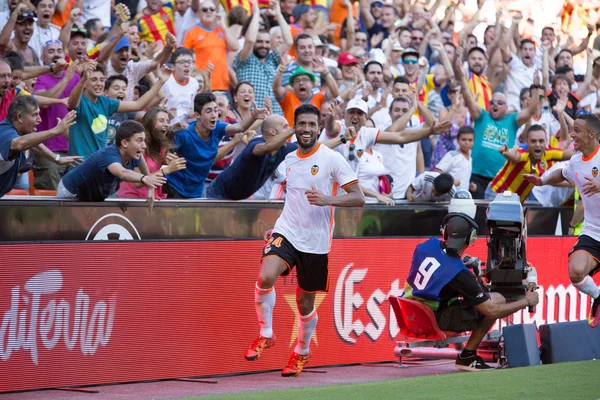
column 438, row 278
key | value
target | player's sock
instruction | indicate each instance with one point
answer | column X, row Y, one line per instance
column 588, row 286
column 264, row 301
column 306, row 327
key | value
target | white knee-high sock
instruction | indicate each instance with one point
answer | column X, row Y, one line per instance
column 264, row 301
column 588, row 286
column 306, row 327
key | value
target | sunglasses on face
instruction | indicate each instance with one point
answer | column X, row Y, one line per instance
column 377, row 5
column 209, row 9
column 410, row 61
column 49, row 42
column 497, row 102
column 351, row 156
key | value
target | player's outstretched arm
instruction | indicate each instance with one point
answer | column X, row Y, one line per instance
column 553, row 178
column 354, row 197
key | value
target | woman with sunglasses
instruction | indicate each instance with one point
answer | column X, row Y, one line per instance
column 458, row 114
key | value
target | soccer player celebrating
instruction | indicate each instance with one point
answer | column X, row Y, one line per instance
column 582, row 171
column 301, row 237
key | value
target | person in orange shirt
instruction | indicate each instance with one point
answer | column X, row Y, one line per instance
column 303, row 82
column 210, row 40
column 338, row 13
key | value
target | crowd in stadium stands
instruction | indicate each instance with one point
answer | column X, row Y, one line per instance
column 423, row 98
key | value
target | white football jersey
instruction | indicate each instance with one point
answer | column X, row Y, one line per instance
column 310, row 228
column 578, row 169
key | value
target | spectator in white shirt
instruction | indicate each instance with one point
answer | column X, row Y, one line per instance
column 120, row 63
column 43, row 31
column 186, row 17
column 381, row 115
column 459, row 163
column 522, row 68
column 370, row 168
column 181, row 88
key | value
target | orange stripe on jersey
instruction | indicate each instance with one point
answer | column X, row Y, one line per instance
column 344, row 186
column 313, row 151
column 588, row 158
column 334, row 191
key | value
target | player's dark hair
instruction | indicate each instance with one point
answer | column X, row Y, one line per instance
column 111, row 79
column 592, row 122
column 127, row 130
column 307, row 109
column 443, row 183
column 201, row 100
column 464, row 130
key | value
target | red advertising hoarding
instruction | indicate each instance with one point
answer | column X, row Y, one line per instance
column 91, row 313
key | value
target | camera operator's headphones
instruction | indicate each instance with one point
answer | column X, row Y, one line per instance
column 471, row 236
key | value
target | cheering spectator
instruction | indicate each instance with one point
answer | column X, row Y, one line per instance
column 256, row 63
column 199, row 145
column 90, row 133
column 210, row 40
column 493, row 129
column 120, row 63
column 18, row 134
column 21, row 22
column 100, row 175
column 302, row 82
column 43, row 31
column 157, row 155
column 305, row 50
column 181, row 88
column 537, row 159
column 156, row 20
column 95, row 31
column 55, row 85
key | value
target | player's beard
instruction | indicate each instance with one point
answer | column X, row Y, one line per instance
column 308, row 145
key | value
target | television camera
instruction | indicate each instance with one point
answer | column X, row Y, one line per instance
column 507, row 271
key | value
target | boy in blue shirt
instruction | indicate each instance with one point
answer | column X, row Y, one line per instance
column 199, row 145
column 100, row 175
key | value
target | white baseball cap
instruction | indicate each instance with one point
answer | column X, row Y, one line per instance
column 358, row 103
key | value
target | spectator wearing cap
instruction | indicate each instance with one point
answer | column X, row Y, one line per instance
column 43, row 30
column 257, row 63
column 394, row 52
column 353, row 125
column 21, row 21
column 348, row 64
column 120, row 63
column 305, row 49
column 302, row 83
column 304, row 18
column 56, row 85
column 156, row 20
column 90, row 133
column 210, row 40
